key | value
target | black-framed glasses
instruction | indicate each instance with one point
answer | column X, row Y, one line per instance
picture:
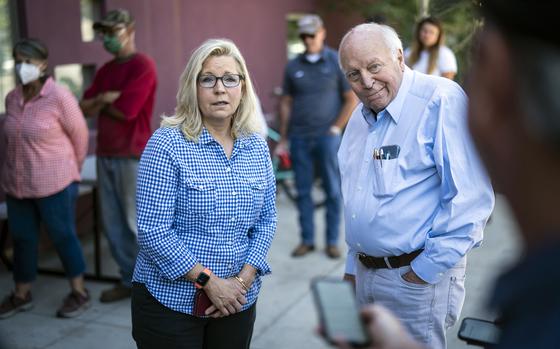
column 306, row 36
column 228, row 80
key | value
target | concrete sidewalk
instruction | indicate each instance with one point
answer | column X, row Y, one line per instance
column 286, row 317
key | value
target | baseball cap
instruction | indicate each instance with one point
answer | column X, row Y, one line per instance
column 309, row 24
column 114, row 17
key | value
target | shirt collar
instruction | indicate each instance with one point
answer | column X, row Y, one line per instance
column 395, row 107
column 47, row 88
column 205, row 138
column 323, row 54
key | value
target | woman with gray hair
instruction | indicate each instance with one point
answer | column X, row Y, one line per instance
column 47, row 140
column 206, row 211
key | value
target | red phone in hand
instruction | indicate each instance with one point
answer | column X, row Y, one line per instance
column 201, row 303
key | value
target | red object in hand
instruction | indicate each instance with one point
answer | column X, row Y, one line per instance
column 285, row 161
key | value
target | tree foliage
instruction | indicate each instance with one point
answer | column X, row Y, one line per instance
column 459, row 19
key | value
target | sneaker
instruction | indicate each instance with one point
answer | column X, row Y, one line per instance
column 116, row 293
column 13, row 304
column 74, row 304
column 302, row 250
column 332, row 252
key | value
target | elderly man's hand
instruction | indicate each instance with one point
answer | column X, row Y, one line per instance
column 413, row 278
column 385, row 330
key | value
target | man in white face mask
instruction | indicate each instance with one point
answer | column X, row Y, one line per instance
column 122, row 97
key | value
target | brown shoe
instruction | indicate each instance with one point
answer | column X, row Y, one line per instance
column 116, row 293
column 13, row 304
column 302, row 250
column 74, row 304
column 332, row 252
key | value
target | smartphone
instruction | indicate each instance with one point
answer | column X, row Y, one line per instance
column 339, row 315
column 479, row 332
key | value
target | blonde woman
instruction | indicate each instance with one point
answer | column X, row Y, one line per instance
column 206, row 211
column 428, row 54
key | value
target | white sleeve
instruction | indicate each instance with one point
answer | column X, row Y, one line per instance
column 447, row 63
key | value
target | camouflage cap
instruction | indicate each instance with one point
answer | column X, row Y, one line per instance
column 113, row 18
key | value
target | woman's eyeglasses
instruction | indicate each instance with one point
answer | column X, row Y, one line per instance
column 228, row 80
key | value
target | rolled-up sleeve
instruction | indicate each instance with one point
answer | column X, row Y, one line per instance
column 466, row 194
column 156, row 194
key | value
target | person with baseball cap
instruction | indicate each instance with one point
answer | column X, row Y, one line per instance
column 122, row 97
column 314, row 108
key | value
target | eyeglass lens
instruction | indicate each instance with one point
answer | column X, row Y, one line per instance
column 229, row 80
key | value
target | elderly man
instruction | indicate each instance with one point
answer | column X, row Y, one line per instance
column 416, row 199
column 123, row 96
column 314, row 108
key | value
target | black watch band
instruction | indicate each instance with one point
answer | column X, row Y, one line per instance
column 202, row 278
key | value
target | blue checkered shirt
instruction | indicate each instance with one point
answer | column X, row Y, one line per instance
column 197, row 206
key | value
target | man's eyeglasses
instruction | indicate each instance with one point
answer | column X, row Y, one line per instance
column 229, row 80
column 306, row 36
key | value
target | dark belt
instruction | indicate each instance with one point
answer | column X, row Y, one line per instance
column 371, row 262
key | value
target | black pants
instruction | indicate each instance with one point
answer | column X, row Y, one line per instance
column 156, row 326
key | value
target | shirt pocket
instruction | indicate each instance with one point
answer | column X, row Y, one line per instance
column 258, row 188
column 385, row 172
column 201, row 196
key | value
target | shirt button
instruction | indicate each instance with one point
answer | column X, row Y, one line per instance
column 230, row 266
column 233, row 219
column 359, row 188
column 353, row 216
column 230, row 242
column 228, row 169
column 233, row 193
column 359, row 245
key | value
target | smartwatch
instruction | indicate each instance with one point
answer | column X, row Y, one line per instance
column 202, row 278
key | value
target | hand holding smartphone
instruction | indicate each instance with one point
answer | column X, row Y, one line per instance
column 338, row 311
column 479, row 332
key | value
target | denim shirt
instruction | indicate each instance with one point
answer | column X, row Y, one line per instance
column 197, row 206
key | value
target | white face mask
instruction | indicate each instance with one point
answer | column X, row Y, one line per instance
column 27, row 72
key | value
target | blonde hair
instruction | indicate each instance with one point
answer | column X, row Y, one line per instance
column 187, row 113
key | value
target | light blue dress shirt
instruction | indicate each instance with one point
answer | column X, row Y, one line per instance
column 197, row 206
column 434, row 196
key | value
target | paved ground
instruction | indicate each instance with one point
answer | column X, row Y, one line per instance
column 286, row 316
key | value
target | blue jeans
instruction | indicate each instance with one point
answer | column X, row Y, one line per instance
column 57, row 212
column 305, row 152
column 116, row 178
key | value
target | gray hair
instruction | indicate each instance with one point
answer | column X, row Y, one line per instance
column 187, row 113
column 388, row 35
column 538, row 71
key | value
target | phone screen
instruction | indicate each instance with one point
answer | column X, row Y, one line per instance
column 480, row 331
column 338, row 311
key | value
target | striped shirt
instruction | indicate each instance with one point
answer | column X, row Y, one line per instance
column 46, row 142
column 197, row 206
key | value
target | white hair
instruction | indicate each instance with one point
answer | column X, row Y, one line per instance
column 388, row 35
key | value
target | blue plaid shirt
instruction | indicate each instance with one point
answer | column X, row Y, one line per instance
column 197, row 206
